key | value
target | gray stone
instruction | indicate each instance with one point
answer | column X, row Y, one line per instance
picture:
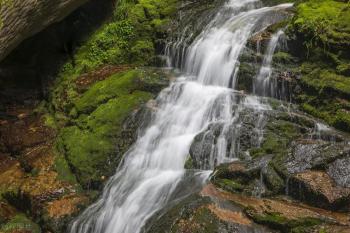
column 339, row 170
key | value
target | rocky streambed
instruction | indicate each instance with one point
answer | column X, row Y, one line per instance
column 62, row 139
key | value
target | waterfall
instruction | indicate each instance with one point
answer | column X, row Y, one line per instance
column 152, row 169
column 263, row 84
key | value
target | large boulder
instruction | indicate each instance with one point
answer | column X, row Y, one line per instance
column 20, row 19
column 318, row 189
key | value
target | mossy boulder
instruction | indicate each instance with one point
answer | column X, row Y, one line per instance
column 106, row 123
column 271, row 152
column 201, row 214
column 324, row 23
column 20, row 223
column 319, row 38
column 318, row 189
column 129, row 37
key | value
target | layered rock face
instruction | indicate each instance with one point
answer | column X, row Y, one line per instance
column 22, row 19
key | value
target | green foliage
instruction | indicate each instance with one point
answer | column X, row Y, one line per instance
column 283, row 57
column 128, row 38
column 20, row 223
column 324, row 28
column 325, row 79
column 323, row 23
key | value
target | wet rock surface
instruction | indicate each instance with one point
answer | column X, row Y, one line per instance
column 215, row 210
column 294, row 158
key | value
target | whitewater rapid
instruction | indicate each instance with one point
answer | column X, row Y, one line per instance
column 152, row 169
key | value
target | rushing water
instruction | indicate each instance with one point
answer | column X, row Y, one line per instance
column 264, row 85
column 154, row 166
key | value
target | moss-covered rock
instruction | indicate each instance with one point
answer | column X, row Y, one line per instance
column 190, row 215
column 320, row 35
column 278, row 214
column 94, row 144
column 324, row 23
column 20, row 223
column 129, row 38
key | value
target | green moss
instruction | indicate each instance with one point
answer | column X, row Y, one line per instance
column 277, row 138
column 189, row 215
column 142, row 51
column 50, row 121
column 189, row 163
column 333, row 112
column 315, row 112
column 342, row 120
column 245, row 76
column 325, row 80
column 283, row 57
column 281, row 222
column 6, row 3
column 323, row 22
column 322, row 231
column 62, row 168
column 94, row 144
column 127, row 39
column 20, row 223
column 107, row 46
column 323, row 27
column 117, row 85
column 110, row 116
column 229, row 185
column 87, row 153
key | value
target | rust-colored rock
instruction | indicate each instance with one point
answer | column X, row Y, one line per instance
column 67, row 205
column 290, row 211
column 229, row 216
column 317, row 188
column 25, row 132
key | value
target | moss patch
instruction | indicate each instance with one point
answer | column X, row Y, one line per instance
column 322, row 28
column 20, row 223
column 324, row 23
column 229, row 185
column 94, row 143
column 280, row 222
column 129, row 38
column 278, row 136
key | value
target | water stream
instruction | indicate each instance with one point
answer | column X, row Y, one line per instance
column 263, row 84
column 152, row 169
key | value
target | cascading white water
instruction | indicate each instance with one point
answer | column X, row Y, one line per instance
column 154, row 166
column 263, row 84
